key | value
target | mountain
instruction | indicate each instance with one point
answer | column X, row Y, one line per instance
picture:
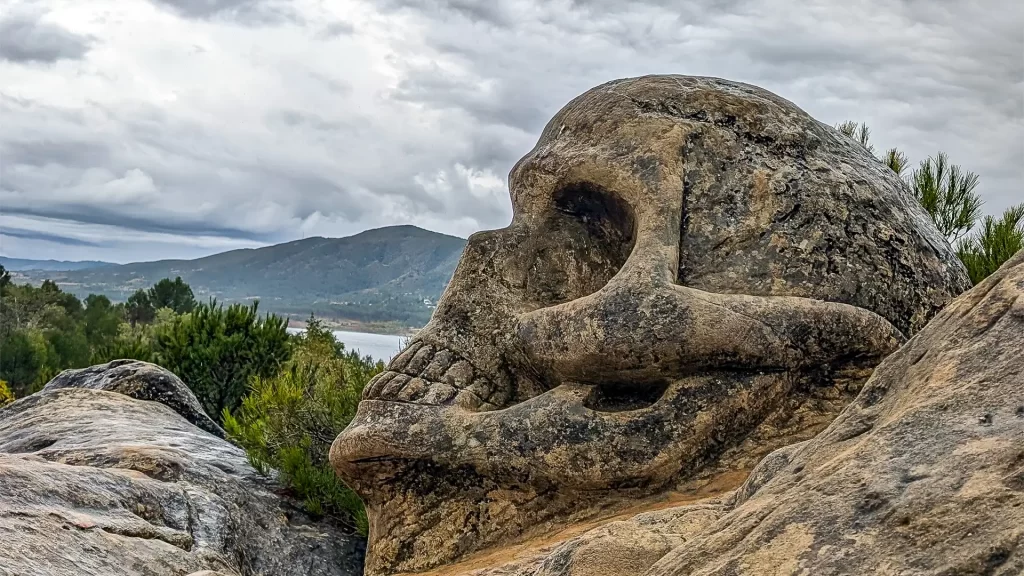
column 381, row 275
column 21, row 264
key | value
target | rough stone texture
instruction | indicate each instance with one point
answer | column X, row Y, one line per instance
column 94, row 482
column 697, row 272
column 922, row 474
column 142, row 381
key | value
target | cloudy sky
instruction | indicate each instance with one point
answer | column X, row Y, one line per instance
column 144, row 129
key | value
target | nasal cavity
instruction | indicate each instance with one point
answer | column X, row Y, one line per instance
column 585, row 239
column 624, row 396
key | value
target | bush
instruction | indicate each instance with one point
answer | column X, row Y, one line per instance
column 289, row 421
column 6, row 397
column 216, row 351
column 996, row 242
column 128, row 345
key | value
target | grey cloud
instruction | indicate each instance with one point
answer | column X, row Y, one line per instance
column 926, row 78
column 26, row 37
column 82, row 154
column 248, row 12
column 188, row 164
column 473, row 10
column 337, row 28
column 493, row 147
column 15, row 232
column 99, row 215
column 311, row 120
column 506, row 103
column 337, row 86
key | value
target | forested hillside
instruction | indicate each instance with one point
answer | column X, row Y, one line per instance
column 381, row 275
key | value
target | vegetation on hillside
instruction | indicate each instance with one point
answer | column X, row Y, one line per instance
column 143, row 305
column 288, row 421
column 381, row 275
column 217, row 350
column 43, row 331
column 947, row 193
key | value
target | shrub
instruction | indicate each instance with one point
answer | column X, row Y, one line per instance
column 289, row 421
column 129, row 345
column 6, row 396
column 996, row 242
column 216, row 351
column 947, row 193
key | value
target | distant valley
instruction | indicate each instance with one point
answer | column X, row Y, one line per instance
column 21, row 264
column 385, row 278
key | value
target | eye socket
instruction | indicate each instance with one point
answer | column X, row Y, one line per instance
column 579, row 246
column 607, row 219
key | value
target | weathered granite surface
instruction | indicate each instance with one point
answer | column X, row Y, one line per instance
column 697, row 272
column 922, row 474
column 97, row 483
column 142, row 381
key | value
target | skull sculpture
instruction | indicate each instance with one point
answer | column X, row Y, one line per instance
column 686, row 256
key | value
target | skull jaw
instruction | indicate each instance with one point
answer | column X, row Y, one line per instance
column 441, row 483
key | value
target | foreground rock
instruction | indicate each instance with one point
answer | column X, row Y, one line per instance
column 697, row 273
column 94, row 482
column 142, row 381
column 922, row 474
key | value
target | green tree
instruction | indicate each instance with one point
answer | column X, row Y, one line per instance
column 288, row 421
column 947, row 193
column 176, row 295
column 102, row 319
column 5, row 279
column 139, row 308
column 138, row 342
column 996, row 242
column 40, row 334
column 216, row 351
column 52, row 294
column 66, row 343
column 19, row 362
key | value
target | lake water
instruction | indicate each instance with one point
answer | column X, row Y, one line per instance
column 379, row 346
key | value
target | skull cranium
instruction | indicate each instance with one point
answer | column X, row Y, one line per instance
column 685, row 254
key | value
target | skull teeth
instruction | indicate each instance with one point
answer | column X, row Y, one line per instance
column 423, row 374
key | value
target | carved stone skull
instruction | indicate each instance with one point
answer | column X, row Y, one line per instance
column 689, row 259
